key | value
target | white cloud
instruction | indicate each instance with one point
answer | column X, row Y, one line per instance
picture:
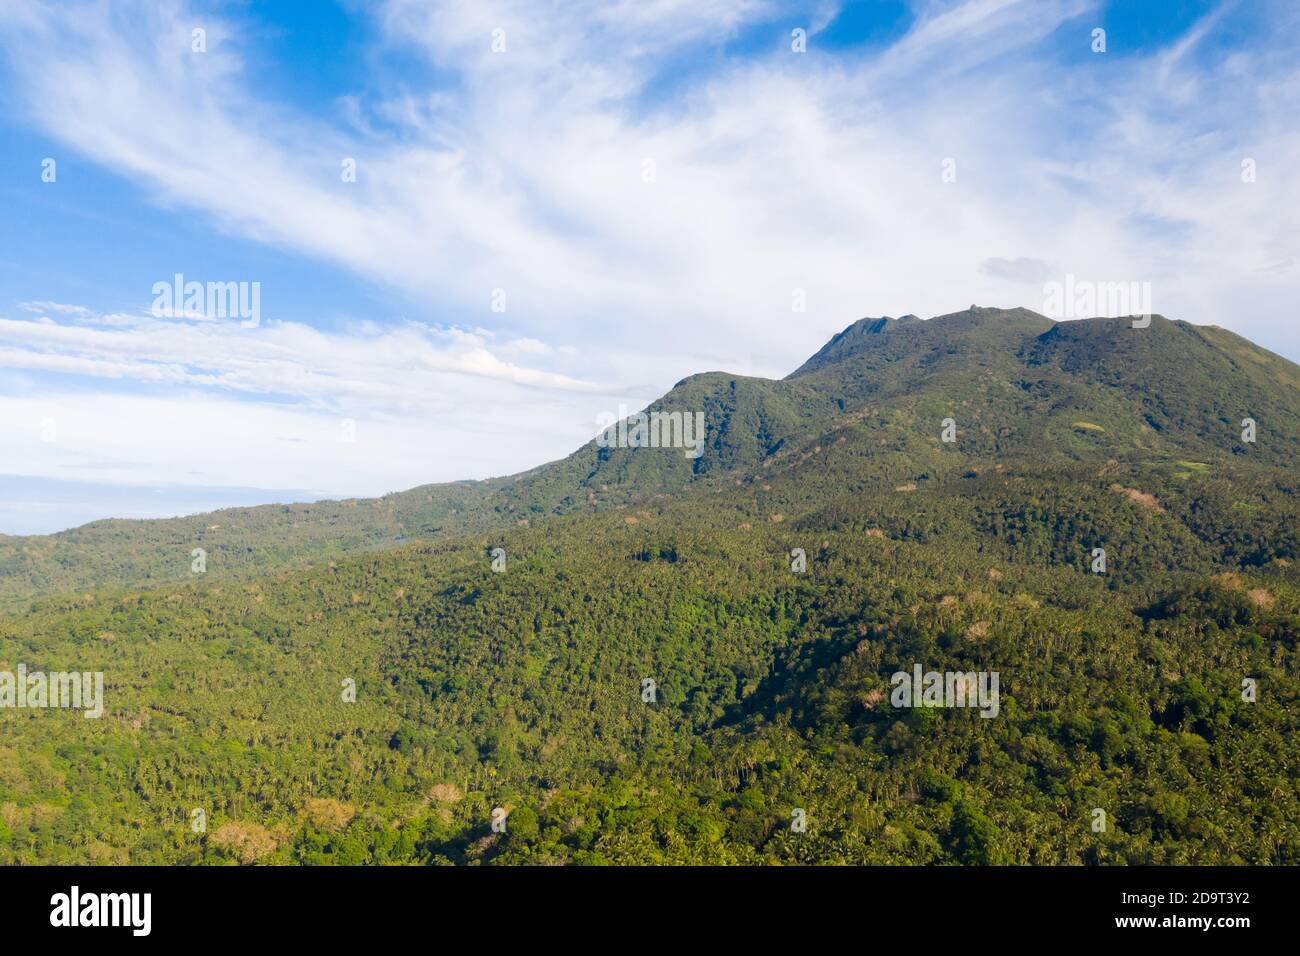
column 384, row 367
column 529, row 347
column 771, row 173
column 190, row 438
column 1023, row 269
column 788, row 171
column 149, row 400
column 60, row 308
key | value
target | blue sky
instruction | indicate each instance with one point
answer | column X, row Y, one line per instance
column 627, row 193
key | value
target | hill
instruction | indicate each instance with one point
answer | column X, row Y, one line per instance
column 524, row 688
column 1018, row 387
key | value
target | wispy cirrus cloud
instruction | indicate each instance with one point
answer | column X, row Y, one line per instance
column 148, row 401
column 634, row 181
column 528, row 173
column 57, row 308
column 383, row 367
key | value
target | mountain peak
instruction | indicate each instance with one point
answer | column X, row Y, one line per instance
column 870, row 333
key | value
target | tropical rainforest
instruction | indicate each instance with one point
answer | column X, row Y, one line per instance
column 633, row 656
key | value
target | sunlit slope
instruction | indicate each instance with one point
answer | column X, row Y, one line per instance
column 870, row 407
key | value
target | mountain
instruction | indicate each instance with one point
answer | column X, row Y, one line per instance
column 1019, row 387
column 524, row 687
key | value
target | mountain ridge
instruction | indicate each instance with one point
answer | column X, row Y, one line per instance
column 1017, row 385
column 644, row 658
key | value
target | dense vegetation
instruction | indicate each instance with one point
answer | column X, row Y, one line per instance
column 1120, row 692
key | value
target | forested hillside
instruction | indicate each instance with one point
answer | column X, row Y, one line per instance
column 827, row 538
column 1016, row 385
